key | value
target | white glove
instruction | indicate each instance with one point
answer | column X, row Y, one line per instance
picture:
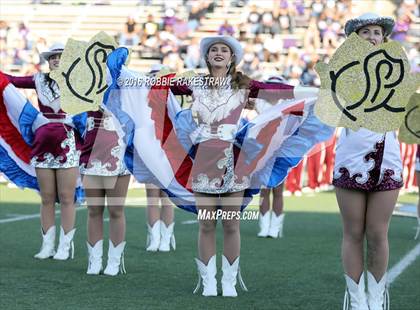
column 302, row 92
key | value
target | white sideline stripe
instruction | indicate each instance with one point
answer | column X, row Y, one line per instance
column 189, row 222
column 406, row 261
column 31, row 216
column 19, row 218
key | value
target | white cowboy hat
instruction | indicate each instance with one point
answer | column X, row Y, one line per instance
column 55, row 49
column 234, row 45
column 353, row 25
column 275, row 79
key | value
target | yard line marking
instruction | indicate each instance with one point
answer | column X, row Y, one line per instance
column 406, row 261
column 19, row 218
column 189, row 222
column 31, row 216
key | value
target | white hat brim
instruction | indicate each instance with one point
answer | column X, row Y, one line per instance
column 234, row 44
column 47, row 55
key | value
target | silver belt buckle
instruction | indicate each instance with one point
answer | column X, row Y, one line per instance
column 226, row 131
column 90, row 123
column 108, row 123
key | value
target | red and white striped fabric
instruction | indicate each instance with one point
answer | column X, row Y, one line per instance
column 18, row 118
column 270, row 145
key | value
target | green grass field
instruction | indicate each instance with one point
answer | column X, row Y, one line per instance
column 300, row 271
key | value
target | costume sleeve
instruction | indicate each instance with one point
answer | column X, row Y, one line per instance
column 273, row 92
column 180, row 90
column 22, row 81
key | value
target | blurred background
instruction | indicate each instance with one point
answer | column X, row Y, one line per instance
column 280, row 37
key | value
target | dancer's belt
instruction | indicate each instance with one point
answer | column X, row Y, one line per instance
column 204, row 132
column 67, row 121
column 106, row 123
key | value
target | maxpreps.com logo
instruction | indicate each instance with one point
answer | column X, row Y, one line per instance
column 227, row 215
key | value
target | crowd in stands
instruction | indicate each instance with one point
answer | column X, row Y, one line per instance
column 286, row 38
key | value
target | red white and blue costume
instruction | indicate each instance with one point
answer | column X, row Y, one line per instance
column 55, row 144
column 31, row 139
column 103, row 148
column 217, row 153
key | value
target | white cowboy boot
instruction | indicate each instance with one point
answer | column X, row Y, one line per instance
column 207, row 275
column 47, row 247
column 167, row 237
column 276, row 226
column 264, row 222
column 355, row 296
column 95, row 257
column 230, row 273
column 418, row 229
column 153, row 237
column 65, row 245
column 378, row 298
column 115, row 259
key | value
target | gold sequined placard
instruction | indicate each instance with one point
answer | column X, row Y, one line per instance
column 410, row 128
column 82, row 73
column 365, row 85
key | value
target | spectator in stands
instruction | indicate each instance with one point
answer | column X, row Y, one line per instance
column 130, row 36
column 285, row 20
column 309, row 76
column 312, row 37
column 169, row 18
column 24, row 33
column 253, row 20
column 267, row 22
column 226, row 29
column 195, row 16
column 250, row 64
column 192, row 58
column 150, row 27
column 4, row 31
column 401, row 28
column 317, row 7
column 258, row 46
column 272, row 47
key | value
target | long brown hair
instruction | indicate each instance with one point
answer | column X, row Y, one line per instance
column 51, row 83
column 239, row 80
